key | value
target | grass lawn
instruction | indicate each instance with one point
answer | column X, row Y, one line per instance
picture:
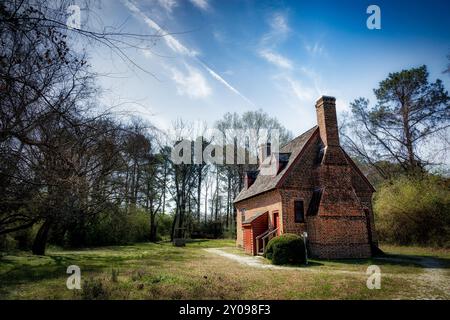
column 161, row 271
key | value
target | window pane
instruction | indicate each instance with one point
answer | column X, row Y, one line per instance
column 299, row 211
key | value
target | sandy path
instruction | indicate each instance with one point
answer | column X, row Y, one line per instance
column 259, row 262
column 433, row 283
column 252, row 261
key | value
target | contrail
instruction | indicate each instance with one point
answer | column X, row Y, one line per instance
column 224, row 82
column 178, row 47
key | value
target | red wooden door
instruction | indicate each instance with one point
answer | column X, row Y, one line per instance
column 276, row 222
column 248, row 243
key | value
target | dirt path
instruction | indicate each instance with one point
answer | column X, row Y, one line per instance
column 435, row 277
column 259, row 262
column 433, row 283
column 252, row 261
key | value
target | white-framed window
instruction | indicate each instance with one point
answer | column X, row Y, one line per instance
column 242, row 214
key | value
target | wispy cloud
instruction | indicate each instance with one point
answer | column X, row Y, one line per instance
column 316, row 49
column 278, row 23
column 228, row 72
column 276, row 59
column 277, row 33
column 302, row 92
column 168, row 5
column 192, row 83
column 176, row 46
column 314, row 78
column 279, row 29
column 170, row 40
column 201, row 4
column 299, row 83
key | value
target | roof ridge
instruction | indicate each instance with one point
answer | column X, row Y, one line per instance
column 264, row 183
column 300, row 135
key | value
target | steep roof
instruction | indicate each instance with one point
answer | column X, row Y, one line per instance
column 253, row 218
column 264, row 183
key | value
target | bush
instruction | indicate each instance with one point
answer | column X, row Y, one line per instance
column 286, row 249
column 19, row 240
column 164, row 226
column 207, row 230
column 117, row 228
column 7, row 243
column 414, row 211
column 95, row 289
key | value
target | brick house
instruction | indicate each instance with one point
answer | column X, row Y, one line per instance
column 316, row 188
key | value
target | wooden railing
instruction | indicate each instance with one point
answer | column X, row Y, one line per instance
column 265, row 237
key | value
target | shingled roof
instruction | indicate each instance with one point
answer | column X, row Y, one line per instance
column 253, row 218
column 264, row 183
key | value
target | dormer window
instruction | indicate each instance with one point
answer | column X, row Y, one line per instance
column 283, row 160
column 250, row 177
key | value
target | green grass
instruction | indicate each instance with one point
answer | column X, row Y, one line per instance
column 162, row 271
column 443, row 254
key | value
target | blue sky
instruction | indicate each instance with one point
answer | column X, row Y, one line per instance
column 280, row 56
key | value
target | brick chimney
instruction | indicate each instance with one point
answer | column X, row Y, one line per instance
column 327, row 121
column 264, row 151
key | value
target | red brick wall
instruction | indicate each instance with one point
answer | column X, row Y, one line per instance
column 340, row 229
column 299, row 185
column 364, row 193
column 338, row 237
column 259, row 226
column 338, row 196
column 269, row 201
column 289, row 197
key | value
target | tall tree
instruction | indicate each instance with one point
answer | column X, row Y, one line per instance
column 409, row 111
column 56, row 155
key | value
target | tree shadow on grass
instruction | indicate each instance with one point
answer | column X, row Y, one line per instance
column 423, row 261
column 311, row 264
column 403, row 260
column 28, row 269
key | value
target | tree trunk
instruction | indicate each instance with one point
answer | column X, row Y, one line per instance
column 181, row 217
column 228, row 201
column 40, row 242
column 153, row 227
column 199, row 190
column 206, row 203
column 174, row 223
column 408, row 136
column 164, row 189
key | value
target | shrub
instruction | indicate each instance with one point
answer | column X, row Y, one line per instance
column 117, row 228
column 114, row 275
column 286, row 249
column 164, row 226
column 95, row 289
column 7, row 243
column 19, row 240
column 207, row 230
column 414, row 211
